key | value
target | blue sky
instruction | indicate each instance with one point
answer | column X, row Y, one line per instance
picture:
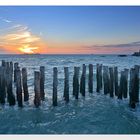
column 80, row 26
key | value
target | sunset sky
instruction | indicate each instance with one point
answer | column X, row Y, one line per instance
column 69, row 30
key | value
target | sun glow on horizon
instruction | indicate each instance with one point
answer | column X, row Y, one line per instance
column 27, row 49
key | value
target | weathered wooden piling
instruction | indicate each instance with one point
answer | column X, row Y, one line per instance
column 15, row 71
column 11, row 68
column 76, row 82
column 66, row 84
column 116, row 86
column 125, row 83
column 137, row 68
column 111, row 82
column 3, row 63
column 83, row 81
column 42, row 82
column 132, row 87
column 24, row 83
column 55, row 84
column 99, row 77
column 2, row 85
column 37, row 98
column 106, row 79
column 9, row 77
column 19, row 87
column 90, row 79
column 120, row 90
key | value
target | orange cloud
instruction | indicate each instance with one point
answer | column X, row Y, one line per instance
column 19, row 39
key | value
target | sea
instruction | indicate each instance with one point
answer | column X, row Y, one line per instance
column 95, row 114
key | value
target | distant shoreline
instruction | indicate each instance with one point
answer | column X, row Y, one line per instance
column 66, row 54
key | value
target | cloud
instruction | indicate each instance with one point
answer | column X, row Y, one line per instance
column 20, row 36
column 125, row 45
column 110, row 48
column 5, row 20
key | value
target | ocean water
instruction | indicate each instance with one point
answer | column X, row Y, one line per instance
column 94, row 114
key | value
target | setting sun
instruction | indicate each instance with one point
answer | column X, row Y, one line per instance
column 27, row 49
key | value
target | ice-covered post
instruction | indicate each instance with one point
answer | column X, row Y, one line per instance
column 24, row 83
column 37, row 98
column 83, row 81
column 42, row 82
column 19, row 87
column 55, row 84
column 111, row 85
column 66, row 84
column 90, row 79
column 76, row 82
column 116, row 80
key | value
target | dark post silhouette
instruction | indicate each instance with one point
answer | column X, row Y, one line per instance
column 90, row 79
column 66, row 84
column 83, row 81
column 42, row 82
column 116, row 86
column 25, row 86
column 106, row 79
column 111, row 85
column 15, row 69
column 125, row 83
column 37, row 99
column 55, row 84
column 10, row 94
column 19, row 88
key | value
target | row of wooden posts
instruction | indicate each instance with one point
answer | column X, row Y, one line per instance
column 107, row 79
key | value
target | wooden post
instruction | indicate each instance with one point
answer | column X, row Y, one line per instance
column 120, row 91
column 66, row 84
column 19, row 88
column 111, row 82
column 3, row 63
column 100, row 76
column 55, row 84
column 132, row 95
column 97, row 78
column 24, row 83
column 42, row 82
column 90, row 79
column 137, row 82
column 11, row 68
column 2, row 85
column 76, row 82
column 7, row 67
column 37, row 99
column 106, row 79
column 83, row 81
column 10, row 94
column 116, row 80
column 15, row 69
column 125, row 83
